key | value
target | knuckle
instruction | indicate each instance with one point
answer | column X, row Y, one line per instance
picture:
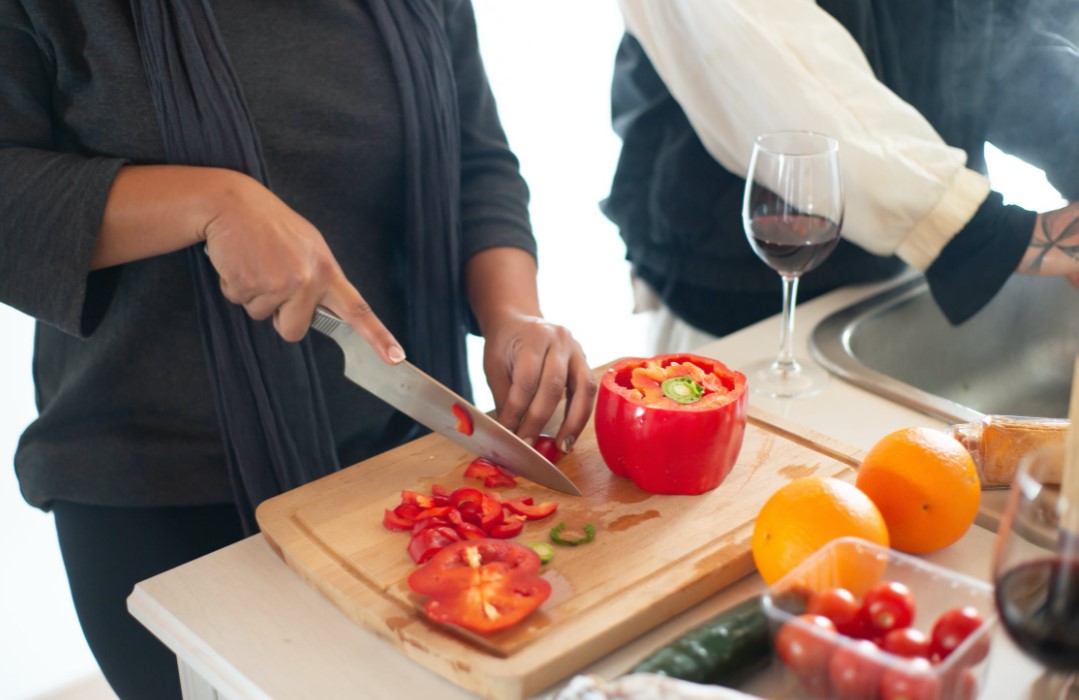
column 527, row 384
column 358, row 310
column 554, row 388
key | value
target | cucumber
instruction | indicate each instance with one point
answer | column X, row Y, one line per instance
column 723, row 651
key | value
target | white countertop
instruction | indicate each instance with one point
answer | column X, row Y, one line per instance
column 243, row 623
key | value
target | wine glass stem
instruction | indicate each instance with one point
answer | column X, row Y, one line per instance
column 785, row 361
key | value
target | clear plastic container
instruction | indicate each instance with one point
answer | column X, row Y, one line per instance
column 936, row 590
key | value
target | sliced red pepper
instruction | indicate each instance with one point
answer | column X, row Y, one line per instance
column 492, row 474
column 476, row 507
column 417, row 499
column 434, row 512
column 500, row 479
column 509, row 526
column 666, row 445
column 482, row 585
column 523, row 506
column 464, row 419
column 392, row 521
column 427, row 543
column 468, row 531
column 407, row 511
column 546, row 446
column 440, row 491
column 423, row 524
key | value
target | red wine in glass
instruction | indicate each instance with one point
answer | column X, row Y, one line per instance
column 792, row 244
column 792, row 209
column 1036, row 571
column 1038, row 603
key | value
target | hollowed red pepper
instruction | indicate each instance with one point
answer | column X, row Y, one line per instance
column 673, row 424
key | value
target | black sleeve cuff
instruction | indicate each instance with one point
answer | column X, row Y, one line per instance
column 979, row 260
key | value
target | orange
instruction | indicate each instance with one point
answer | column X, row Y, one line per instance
column 926, row 487
column 803, row 516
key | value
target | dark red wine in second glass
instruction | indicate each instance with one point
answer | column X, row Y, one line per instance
column 1039, row 607
column 793, row 244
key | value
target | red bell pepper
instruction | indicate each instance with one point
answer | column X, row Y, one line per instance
column 523, row 506
column 492, row 475
column 481, row 585
column 673, row 424
column 464, row 419
column 546, row 446
column 429, row 541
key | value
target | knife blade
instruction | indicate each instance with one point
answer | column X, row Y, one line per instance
column 429, row 402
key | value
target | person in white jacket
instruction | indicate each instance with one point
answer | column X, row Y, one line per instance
column 912, row 91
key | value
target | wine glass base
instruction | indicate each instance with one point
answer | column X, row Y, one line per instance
column 797, row 380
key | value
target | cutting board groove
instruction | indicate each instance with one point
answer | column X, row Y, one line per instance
column 653, row 556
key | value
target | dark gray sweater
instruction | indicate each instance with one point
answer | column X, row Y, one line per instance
column 126, row 416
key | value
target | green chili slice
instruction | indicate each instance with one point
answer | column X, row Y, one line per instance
column 544, row 550
column 556, row 535
column 682, row 389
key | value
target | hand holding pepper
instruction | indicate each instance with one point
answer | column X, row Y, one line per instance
column 529, row 362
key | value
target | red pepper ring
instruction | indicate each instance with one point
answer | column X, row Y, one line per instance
column 662, row 445
column 481, row 585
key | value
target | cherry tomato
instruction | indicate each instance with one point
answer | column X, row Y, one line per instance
column 951, row 629
column 855, row 671
column 838, row 605
column 907, row 642
column 806, row 650
column 914, row 679
column 888, row 605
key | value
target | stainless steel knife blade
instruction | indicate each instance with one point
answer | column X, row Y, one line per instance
column 429, row 402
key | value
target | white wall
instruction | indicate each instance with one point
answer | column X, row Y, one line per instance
column 550, row 65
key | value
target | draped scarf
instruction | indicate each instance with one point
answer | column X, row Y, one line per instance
column 267, row 392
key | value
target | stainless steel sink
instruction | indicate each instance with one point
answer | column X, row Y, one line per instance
column 1015, row 357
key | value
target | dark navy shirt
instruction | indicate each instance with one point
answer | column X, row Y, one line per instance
column 126, row 416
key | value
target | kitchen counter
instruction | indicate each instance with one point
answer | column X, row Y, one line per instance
column 243, row 625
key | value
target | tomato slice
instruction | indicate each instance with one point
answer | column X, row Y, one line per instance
column 481, row 585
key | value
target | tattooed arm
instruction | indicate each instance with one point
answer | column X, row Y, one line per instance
column 1054, row 248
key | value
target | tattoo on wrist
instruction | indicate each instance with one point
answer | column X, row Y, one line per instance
column 1066, row 240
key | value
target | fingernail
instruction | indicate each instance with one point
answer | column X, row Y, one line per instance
column 567, row 444
column 396, row 354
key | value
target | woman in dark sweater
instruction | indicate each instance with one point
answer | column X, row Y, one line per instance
column 96, row 220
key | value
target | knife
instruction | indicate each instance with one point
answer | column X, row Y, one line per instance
column 429, row 402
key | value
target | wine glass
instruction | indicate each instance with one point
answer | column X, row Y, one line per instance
column 792, row 213
column 1036, row 571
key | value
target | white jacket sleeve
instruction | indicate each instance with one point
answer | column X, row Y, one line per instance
column 739, row 68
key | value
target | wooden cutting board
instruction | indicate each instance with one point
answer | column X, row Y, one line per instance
column 653, row 556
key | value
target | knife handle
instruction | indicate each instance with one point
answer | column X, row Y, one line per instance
column 326, row 321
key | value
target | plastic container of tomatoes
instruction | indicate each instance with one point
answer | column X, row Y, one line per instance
column 948, row 620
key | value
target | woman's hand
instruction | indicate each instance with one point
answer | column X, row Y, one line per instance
column 270, row 259
column 529, row 364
